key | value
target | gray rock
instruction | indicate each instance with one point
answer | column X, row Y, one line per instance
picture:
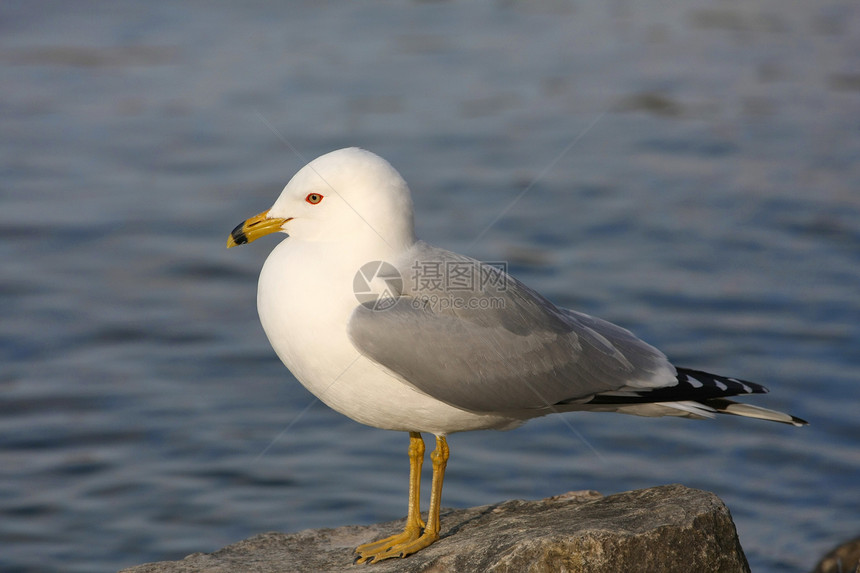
column 667, row 528
column 845, row 558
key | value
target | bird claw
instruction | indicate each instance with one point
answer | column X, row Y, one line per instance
column 399, row 545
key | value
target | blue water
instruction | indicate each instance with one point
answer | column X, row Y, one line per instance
column 693, row 173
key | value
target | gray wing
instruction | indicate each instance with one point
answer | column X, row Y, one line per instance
column 496, row 345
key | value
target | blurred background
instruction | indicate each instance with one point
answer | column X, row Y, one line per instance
column 694, row 175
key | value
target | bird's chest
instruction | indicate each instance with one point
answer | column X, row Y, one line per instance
column 305, row 301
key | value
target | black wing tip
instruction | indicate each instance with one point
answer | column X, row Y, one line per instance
column 724, row 385
column 693, row 385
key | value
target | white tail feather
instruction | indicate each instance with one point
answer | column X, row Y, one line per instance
column 749, row 411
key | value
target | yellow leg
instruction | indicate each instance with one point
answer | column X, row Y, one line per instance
column 414, row 526
column 439, row 457
column 413, row 538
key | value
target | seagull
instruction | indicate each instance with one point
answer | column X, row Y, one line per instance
column 401, row 335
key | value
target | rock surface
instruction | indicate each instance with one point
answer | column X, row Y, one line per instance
column 668, row 528
column 845, row 558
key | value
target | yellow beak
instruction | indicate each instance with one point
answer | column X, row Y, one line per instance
column 254, row 228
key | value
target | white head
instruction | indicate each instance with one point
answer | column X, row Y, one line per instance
column 348, row 195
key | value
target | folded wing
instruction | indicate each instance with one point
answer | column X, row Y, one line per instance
column 495, row 345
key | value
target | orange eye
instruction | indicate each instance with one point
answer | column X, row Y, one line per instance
column 313, row 198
